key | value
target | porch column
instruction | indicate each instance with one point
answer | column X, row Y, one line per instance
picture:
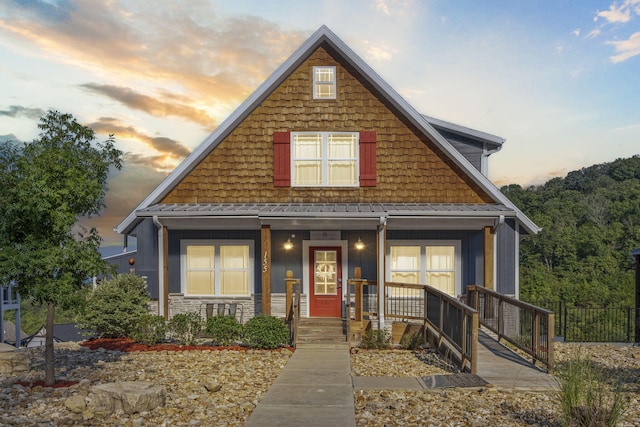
column 163, row 268
column 266, row 270
column 489, row 256
column 380, row 250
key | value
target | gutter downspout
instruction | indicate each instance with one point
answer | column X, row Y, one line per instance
column 161, row 284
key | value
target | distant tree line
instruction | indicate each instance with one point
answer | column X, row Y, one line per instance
column 590, row 222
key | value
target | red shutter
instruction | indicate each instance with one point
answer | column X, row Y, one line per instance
column 282, row 159
column 368, row 158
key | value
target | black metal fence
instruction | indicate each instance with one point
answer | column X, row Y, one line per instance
column 593, row 324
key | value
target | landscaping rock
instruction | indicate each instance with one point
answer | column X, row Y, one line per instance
column 13, row 361
column 212, row 386
column 127, row 396
column 76, row 404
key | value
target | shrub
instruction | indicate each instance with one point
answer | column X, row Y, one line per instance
column 266, row 332
column 376, row 339
column 586, row 396
column 223, row 329
column 411, row 341
column 114, row 308
column 151, row 329
column 185, row 327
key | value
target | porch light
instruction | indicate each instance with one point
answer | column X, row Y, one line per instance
column 359, row 244
column 288, row 245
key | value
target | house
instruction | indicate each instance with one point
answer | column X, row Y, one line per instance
column 62, row 332
column 325, row 168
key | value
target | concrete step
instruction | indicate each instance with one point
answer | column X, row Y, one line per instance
column 331, row 345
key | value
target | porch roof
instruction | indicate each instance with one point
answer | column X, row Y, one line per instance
column 328, row 215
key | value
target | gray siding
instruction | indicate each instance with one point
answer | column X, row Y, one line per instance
column 470, row 149
column 147, row 254
column 506, row 257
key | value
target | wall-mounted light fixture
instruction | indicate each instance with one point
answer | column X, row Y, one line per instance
column 359, row 244
column 288, row 245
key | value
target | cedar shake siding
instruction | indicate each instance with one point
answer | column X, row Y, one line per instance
column 409, row 167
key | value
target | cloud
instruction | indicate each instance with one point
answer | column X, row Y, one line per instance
column 620, row 12
column 213, row 62
column 576, row 32
column 17, row 111
column 376, row 52
column 127, row 188
column 170, row 151
column 626, row 48
column 153, row 106
column 393, row 7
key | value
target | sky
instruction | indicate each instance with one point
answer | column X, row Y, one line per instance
column 558, row 79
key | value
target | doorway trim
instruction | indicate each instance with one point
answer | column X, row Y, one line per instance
column 306, row 280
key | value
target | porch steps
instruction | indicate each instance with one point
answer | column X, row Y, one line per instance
column 322, row 331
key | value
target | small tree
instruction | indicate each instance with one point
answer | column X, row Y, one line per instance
column 45, row 186
column 114, row 309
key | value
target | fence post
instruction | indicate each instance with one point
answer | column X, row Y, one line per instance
column 550, row 335
column 289, row 299
column 564, row 319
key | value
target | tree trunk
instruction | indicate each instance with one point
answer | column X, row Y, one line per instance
column 49, row 372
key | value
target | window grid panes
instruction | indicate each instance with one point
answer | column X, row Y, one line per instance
column 326, row 272
column 216, row 269
column 433, row 264
column 324, row 82
column 324, row 159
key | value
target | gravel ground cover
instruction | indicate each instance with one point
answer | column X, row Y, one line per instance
column 244, row 376
column 479, row 407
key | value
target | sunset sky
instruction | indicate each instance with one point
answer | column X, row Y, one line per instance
column 559, row 79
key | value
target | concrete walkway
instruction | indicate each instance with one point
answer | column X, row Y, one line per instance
column 313, row 389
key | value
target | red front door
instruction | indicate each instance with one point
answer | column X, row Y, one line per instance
column 325, row 273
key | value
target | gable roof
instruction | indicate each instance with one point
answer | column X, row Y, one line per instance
column 321, row 36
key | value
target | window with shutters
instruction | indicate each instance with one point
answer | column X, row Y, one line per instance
column 324, row 82
column 324, row 159
column 216, row 267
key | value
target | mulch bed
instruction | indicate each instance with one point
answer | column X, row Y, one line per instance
column 40, row 383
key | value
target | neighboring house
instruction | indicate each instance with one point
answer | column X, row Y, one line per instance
column 63, row 332
column 326, row 156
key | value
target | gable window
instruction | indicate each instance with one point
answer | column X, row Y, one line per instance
column 216, row 268
column 434, row 262
column 324, row 82
column 324, row 159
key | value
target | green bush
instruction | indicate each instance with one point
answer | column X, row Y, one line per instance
column 376, row 339
column 151, row 329
column 185, row 327
column 223, row 330
column 411, row 341
column 587, row 397
column 114, row 308
column 266, row 332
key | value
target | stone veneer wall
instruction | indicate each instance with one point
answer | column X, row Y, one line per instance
column 251, row 306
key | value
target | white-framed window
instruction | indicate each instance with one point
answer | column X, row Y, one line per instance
column 216, row 267
column 324, row 82
column 436, row 263
column 327, row 159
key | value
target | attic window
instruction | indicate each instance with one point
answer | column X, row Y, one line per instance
column 324, row 82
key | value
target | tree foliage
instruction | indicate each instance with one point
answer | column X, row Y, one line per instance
column 45, row 186
column 114, row 309
column 590, row 223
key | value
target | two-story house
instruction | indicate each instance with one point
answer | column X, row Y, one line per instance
column 325, row 168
